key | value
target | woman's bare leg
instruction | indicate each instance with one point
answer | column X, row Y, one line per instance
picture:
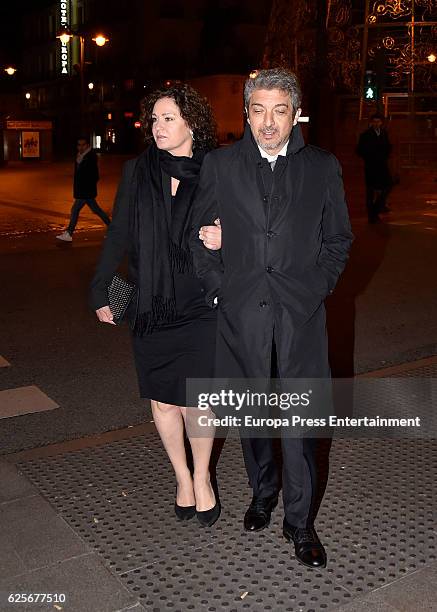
column 170, row 425
column 201, row 448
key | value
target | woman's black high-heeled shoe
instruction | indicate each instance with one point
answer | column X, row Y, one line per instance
column 184, row 513
column 207, row 518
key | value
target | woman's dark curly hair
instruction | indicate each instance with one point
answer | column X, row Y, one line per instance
column 193, row 108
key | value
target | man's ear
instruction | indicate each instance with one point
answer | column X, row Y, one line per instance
column 247, row 115
column 296, row 116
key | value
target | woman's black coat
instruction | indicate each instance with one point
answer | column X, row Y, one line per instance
column 285, row 241
column 117, row 242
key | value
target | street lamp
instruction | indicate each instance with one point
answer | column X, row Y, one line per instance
column 65, row 35
column 100, row 40
column 10, row 70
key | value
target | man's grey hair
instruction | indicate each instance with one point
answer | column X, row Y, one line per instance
column 275, row 78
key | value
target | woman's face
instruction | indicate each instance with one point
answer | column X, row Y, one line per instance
column 169, row 129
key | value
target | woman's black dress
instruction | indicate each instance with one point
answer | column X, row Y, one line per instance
column 176, row 351
column 182, row 349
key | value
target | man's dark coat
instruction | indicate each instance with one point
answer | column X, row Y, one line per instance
column 285, row 241
column 375, row 150
column 86, row 176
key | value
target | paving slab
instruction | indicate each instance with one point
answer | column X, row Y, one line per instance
column 84, row 582
column 365, row 606
column 14, row 484
column 4, row 363
column 39, row 536
column 414, row 593
column 24, row 400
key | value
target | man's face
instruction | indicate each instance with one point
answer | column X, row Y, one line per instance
column 82, row 146
column 271, row 118
column 376, row 123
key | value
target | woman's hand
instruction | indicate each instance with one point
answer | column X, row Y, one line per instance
column 211, row 236
column 105, row 315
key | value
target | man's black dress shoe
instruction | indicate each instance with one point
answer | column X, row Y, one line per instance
column 258, row 514
column 207, row 518
column 307, row 547
column 184, row 513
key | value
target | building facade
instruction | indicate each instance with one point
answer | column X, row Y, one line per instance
column 97, row 90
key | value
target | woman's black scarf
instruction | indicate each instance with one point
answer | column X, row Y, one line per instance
column 161, row 250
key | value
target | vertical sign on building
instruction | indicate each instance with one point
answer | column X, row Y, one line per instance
column 65, row 50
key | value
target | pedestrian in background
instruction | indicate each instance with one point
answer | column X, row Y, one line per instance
column 86, row 177
column 374, row 147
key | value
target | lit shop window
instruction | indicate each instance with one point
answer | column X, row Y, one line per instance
column 110, row 135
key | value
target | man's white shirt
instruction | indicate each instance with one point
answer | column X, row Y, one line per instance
column 271, row 158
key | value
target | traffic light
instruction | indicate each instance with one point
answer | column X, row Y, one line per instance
column 370, row 93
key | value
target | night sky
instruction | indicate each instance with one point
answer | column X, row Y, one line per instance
column 10, row 19
column 11, row 13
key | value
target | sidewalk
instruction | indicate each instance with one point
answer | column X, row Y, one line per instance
column 93, row 519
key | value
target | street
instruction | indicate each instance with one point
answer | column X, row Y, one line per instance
column 87, row 489
column 382, row 313
column 38, row 198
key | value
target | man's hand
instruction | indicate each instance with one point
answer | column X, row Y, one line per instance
column 105, row 315
column 211, row 236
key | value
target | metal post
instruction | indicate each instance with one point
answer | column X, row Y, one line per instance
column 82, row 79
column 364, row 56
column 413, row 67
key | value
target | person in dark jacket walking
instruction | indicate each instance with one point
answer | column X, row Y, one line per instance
column 173, row 330
column 374, row 147
column 86, row 177
column 285, row 241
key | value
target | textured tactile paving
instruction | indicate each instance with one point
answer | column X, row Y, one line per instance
column 377, row 521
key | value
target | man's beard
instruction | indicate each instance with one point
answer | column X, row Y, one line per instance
column 269, row 146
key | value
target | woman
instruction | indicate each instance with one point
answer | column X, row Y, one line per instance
column 173, row 328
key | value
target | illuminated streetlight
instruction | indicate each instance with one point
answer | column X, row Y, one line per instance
column 27, row 96
column 100, row 40
column 10, row 70
column 65, row 36
column 431, row 58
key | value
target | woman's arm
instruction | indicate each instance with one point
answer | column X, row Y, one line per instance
column 116, row 241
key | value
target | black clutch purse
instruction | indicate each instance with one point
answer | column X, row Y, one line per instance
column 120, row 295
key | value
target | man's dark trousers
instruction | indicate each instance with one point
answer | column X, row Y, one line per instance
column 299, row 471
column 79, row 203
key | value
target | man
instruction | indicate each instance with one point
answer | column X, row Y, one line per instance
column 86, row 177
column 285, row 240
column 374, row 147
